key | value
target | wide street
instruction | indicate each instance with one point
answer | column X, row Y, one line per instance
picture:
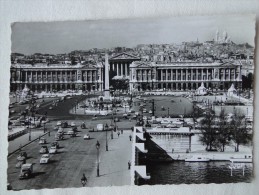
column 76, row 155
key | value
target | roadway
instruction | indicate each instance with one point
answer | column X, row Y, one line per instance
column 76, row 155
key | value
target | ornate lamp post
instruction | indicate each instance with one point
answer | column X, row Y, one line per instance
column 98, row 147
column 106, row 129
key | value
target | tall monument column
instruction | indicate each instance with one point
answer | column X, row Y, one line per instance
column 106, row 84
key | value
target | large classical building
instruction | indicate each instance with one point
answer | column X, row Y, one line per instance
column 142, row 75
column 183, row 76
column 120, row 64
column 43, row 77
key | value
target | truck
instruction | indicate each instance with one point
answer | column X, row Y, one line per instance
column 26, row 171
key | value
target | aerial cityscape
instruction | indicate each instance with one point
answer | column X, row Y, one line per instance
column 175, row 113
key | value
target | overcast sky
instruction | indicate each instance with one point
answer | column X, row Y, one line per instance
column 64, row 37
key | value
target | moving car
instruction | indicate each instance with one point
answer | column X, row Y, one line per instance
column 71, row 133
column 53, row 150
column 22, row 156
column 44, row 159
column 58, row 137
column 87, row 136
column 50, row 108
column 44, row 150
column 26, row 171
column 55, row 144
column 64, row 124
column 20, row 163
column 59, row 123
column 100, row 127
column 60, row 131
column 73, row 124
column 42, row 141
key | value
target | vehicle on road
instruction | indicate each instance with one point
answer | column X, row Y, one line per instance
column 87, row 136
column 42, row 141
column 50, row 108
column 22, row 156
column 59, row 123
column 55, row 144
column 12, row 111
column 100, row 127
column 83, row 126
column 53, row 150
column 44, row 159
column 64, row 124
column 44, row 150
column 125, row 116
column 73, row 124
column 71, row 133
column 20, row 163
column 60, row 131
column 59, row 137
column 26, row 171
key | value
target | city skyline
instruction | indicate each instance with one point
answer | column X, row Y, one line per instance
column 64, row 37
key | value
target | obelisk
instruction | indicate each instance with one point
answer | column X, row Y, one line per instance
column 106, row 84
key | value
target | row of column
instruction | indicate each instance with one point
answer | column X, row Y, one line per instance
column 187, row 74
column 53, row 76
column 122, row 69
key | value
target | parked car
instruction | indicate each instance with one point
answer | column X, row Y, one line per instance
column 55, row 144
column 22, row 156
column 53, row 150
column 44, row 150
column 42, row 141
column 26, row 171
column 44, row 159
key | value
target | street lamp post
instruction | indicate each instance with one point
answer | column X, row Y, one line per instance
column 114, row 126
column 44, row 127
column 106, row 129
column 98, row 147
column 30, row 129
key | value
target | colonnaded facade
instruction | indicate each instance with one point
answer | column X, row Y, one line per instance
column 142, row 75
column 43, row 77
column 183, row 76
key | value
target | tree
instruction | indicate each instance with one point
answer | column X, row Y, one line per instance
column 247, row 81
column 239, row 132
column 208, row 133
column 223, row 133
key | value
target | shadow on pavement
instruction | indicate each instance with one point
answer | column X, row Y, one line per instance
column 123, row 170
column 35, row 174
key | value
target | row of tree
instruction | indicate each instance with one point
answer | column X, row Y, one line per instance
column 219, row 131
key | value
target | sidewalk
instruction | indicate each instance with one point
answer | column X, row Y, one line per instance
column 114, row 163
